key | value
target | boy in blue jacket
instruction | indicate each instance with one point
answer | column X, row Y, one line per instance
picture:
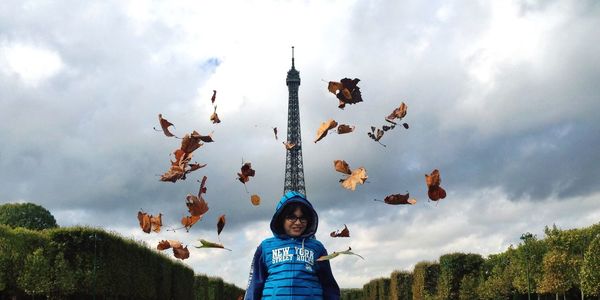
column 285, row 266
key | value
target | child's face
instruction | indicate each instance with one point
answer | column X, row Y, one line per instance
column 295, row 224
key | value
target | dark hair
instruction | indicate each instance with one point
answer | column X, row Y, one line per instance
column 289, row 210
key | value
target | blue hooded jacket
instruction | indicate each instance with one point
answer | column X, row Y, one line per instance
column 287, row 268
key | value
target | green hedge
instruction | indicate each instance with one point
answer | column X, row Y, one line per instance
column 401, row 285
column 425, row 280
column 351, row 294
column 80, row 262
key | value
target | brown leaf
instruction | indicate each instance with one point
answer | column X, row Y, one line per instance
column 220, row 224
column 194, row 167
column 343, row 128
column 358, row 176
column 289, row 146
column 343, row 233
column 202, row 189
column 342, row 166
column 350, row 93
column 396, row 199
column 163, row 245
column 144, row 220
column 205, row 138
column 255, row 199
column 197, row 206
column 275, row 132
column 214, row 97
column 334, row 87
column 247, row 171
column 164, row 124
column 325, row 126
column 156, row 222
column 181, row 252
column 405, row 125
column 433, row 181
column 174, row 173
column 189, row 221
column 214, row 117
column 189, row 143
column 398, row 113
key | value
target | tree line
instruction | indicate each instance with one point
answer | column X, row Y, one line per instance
column 563, row 265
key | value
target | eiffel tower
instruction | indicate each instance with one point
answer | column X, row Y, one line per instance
column 294, row 168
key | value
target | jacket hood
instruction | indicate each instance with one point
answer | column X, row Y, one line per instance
column 287, row 199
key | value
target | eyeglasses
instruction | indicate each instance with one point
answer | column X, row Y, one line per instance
column 293, row 219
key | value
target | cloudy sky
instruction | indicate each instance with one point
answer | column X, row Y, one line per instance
column 502, row 96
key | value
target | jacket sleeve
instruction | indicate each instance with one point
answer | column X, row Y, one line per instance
column 258, row 275
column 331, row 290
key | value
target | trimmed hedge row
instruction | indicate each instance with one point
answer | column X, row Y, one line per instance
column 79, row 262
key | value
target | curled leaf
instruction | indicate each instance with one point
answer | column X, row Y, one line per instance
column 343, row 128
column 341, row 233
column 275, row 132
column 433, row 181
column 325, row 126
column 207, row 244
column 396, row 199
column 214, row 117
column 214, row 97
column 181, row 252
column 246, row 173
column 342, row 166
column 191, row 142
column 189, row 221
column 255, row 199
column 405, row 125
column 164, row 124
column 288, row 145
column 358, row 176
column 178, row 250
column 144, row 220
column 220, row 224
column 398, row 113
column 336, row 254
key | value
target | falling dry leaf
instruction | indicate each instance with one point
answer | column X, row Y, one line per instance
column 156, row 222
column 144, row 220
column 343, row 128
column 178, row 250
column 189, row 221
column 342, row 166
column 288, row 145
column 396, row 199
column 434, row 191
column 214, row 97
column 164, row 124
column 405, row 125
column 214, row 117
column 398, row 113
column 220, row 224
column 255, row 199
column 275, row 132
column 246, row 172
column 342, row 233
column 181, row 253
column 325, row 126
column 191, row 142
column 336, row 254
column 358, row 176
column 207, row 244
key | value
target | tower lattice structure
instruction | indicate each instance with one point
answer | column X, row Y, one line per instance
column 294, row 168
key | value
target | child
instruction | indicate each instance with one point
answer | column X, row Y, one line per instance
column 285, row 266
